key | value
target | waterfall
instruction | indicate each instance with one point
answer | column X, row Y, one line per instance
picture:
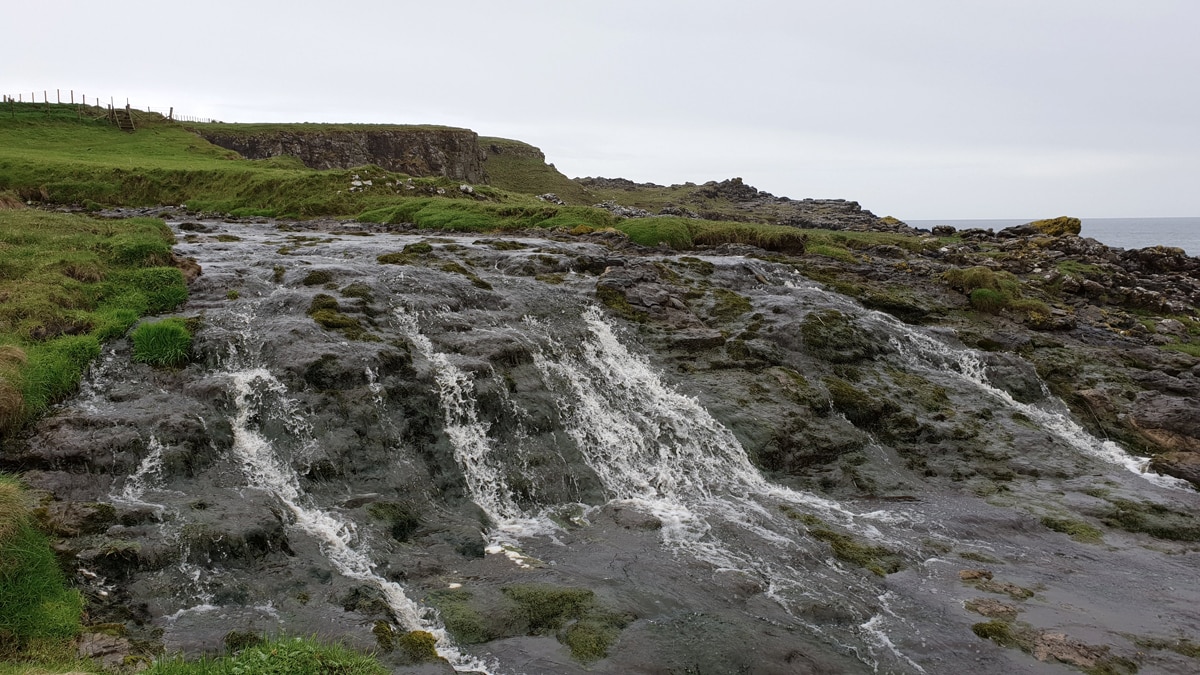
column 265, row 470
column 149, row 472
column 662, row 452
column 924, row 352
column 483, row 471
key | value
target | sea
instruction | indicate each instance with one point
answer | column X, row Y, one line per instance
column 1126, row 233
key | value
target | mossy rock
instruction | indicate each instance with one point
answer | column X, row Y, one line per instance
column 402, row 518
column 616, row 301
column 863, row 409
column 456, row 268
column 546, row 608
column 879, row 560
column 728, row 305
column 1000, row 632
column 317, row 278
column 831, row 335
column 1057, row 227
column 419, row 646
column 590, row 638
column 469, row 618
column 1156, row 520
column 418, row 248
column 1077, row 530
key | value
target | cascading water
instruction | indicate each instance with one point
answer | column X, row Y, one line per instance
column 483, row 472
column 148, row 473
column 258, row 392
column 662, row 452
column 929, row 355
column 331, row 469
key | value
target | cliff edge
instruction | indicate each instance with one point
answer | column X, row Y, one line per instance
column 414, row 150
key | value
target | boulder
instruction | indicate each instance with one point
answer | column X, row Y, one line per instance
column 1170, row 422
column 1184, row 465
column 1057, row 227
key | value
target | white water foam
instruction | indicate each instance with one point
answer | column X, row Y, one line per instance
column 147, row 475
column 263, row 469
column 923, row 351
column 662, row 452
column 484, row 473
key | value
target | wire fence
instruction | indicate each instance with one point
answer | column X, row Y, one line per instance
column 72, row 98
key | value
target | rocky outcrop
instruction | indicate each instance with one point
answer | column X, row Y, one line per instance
column 734, row 200
column 416, row 151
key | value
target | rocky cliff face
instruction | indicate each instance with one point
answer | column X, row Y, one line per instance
column 454, row 153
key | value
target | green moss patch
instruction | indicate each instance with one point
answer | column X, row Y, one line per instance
column 327, row 312
column 455, row 268
column 835, row 337
column 728, row 305
column 402, row 518
column 615, row 300
column 879, row 560
column 1156, row 520
column 869, row 410
column 1077, row 530
column 572, row 615
column 280, row 656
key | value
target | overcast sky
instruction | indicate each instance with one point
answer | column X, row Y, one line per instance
column 921, row 109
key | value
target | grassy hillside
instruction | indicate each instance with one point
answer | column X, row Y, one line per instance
column 316, row 127
column 520, row 167
column 60, row 158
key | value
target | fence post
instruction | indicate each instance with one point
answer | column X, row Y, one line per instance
column 58, row 95
column 72, row 97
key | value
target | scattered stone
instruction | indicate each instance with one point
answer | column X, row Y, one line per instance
column 972, row 575
column 110, row 650
column 622, row 211
column 992, row 608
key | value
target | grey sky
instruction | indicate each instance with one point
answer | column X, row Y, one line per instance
column 920, row 109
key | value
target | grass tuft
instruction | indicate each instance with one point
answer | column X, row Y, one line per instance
column 280, row 656
column 162, row 343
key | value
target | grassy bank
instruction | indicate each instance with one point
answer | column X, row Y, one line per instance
column 67, row 284
column 38, row 614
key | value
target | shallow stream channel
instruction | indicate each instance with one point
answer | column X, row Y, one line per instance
column 569, row 455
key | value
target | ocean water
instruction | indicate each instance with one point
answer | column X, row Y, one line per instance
column 1117, row 232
